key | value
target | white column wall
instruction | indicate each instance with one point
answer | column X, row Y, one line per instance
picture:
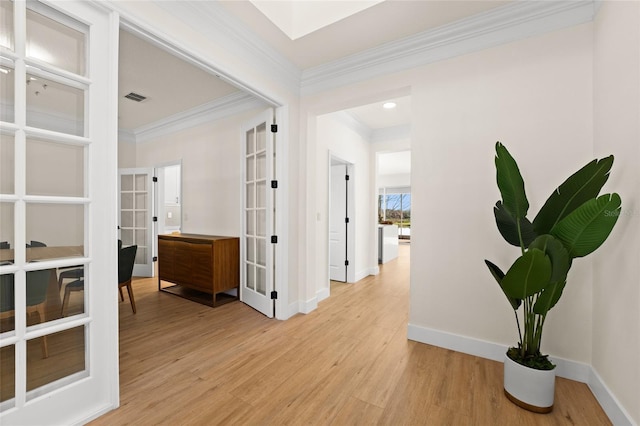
column 616, row 289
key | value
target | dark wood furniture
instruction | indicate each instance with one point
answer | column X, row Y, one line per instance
column 202, row 267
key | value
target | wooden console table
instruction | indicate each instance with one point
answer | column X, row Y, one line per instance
column 201, row 267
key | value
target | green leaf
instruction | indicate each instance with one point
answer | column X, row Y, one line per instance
column 510, row 183
column 528, row 275
column 581, row 186
column 558, row 255
column 549, row 297
column 508, row 227
column 499, row 275
column 588, row 226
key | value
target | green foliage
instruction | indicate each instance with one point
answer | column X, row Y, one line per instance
column 573, row 222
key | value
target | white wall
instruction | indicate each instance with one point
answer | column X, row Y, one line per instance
column 126, row 154
column 344, row 142
column 616, row 292
column 211, row 173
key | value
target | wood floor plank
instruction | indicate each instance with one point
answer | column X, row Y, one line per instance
column 346, row 363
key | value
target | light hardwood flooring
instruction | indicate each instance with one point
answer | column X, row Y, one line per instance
column 347, row 363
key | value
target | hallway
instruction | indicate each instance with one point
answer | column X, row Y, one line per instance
column 349, row 362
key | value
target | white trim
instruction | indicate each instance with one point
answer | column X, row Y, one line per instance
column 360, row 275
column 281, row 260
column 126, row 136
column 322, row 294
column 374, row 271
column 292, row 309
column 565, row 368
column 308, row 306
column 351, row 121
column 391, row 133
column 220, row 108
column 514, row 21
column 609, row 403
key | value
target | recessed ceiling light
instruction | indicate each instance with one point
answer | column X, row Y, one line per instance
column 389, row 105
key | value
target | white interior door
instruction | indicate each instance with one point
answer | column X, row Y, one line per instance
column 58, row 90
column 337, row 223
column 259, row 240
column 136, row 224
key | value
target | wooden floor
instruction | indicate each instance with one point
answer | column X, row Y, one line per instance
column 347, row 363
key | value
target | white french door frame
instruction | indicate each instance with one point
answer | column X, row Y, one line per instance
column 84, row 395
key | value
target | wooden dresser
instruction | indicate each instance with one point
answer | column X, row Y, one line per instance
column 202, row 267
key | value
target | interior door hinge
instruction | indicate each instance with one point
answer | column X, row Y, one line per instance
column 274, row 239
column 155, row 179
column 274, row 128
column 274, row 295
column 274, row 184
column 346, row 177
column 346, row 263
column 155, row 258
column 346, row 220
column 155, row 219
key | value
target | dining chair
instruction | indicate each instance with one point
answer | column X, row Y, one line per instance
column 37, row 286
column 126, row 260
column 5, row 245
column 36, row 244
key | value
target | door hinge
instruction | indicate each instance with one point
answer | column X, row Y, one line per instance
column 346, row 177
column 346, row 263
column 346, row 220
column 155, row 179
column 274, row 184
column 274, row 239
column 274, row 128
column 155, row 218
column 155, row 258
column 274, row 295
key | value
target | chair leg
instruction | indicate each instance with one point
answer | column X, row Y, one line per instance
column 65, row 301
column 133, row 302
column 43, row 342
column 121, row 295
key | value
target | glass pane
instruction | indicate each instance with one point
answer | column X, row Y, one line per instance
column 251, row 196
column 43, row 300
column 6, row 232
column 261, row 194
column 251, row 278
column 250, row 142
column 261, row 223
column 54, row 169
column 141, row 200
column 59, row 226
column 126, row 200
column 141, row 256
column 261, row 137
column 126, row 219
column 261, row 166
column 71, row 285
column 7, row 93
column 251, row 166
column 66, row 350
column 56, row 43
column 7, row 374
column 126, row 235
column 141, row 219
column 261, row 280
column 126, row 183
column 261, row 251
column 251, row 223
column 7, row 161
column 141, row 237
column 7, row 300
column 141, row 182
column 54, row 106
column 6, row 25
column 251, row 257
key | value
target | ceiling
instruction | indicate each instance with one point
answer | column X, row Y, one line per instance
column 173, row 86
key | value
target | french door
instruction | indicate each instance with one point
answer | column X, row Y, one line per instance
column 259, row 240
column 58, row 154
column 136, row 219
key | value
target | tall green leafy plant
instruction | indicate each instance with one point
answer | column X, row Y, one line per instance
column 572, row 223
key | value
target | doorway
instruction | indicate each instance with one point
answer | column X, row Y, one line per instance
column 341, row 200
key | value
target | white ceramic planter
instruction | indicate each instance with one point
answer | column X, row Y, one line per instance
column 529, row 388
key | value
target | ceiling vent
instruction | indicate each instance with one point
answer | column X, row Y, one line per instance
column 135, row 97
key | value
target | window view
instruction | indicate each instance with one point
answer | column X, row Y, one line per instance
column 395, row 209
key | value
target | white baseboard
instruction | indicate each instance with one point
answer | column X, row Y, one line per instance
column 310, row 305
column 323, row 294
column 565, row 368
column 374, row 271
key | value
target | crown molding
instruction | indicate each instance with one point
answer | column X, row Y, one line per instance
column 514, row 21
column 352, row 122
column 126, row 136
column 391, row 133
column 220, row 108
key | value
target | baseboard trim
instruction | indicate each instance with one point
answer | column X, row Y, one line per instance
column 565, row 368
column 323, row 294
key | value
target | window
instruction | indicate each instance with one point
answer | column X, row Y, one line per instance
column 394, row 207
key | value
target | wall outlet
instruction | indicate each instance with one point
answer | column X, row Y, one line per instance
column 169, row 215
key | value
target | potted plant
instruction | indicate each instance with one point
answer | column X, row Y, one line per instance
column 572, row 223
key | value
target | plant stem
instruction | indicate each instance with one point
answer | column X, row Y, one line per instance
column 518, row 323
